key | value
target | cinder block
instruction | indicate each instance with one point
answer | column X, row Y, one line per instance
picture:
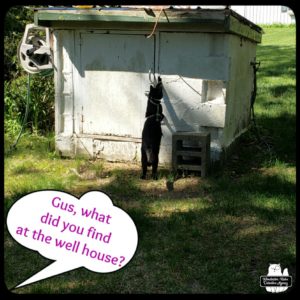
column 191, row 152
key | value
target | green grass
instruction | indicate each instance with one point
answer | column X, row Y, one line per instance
column 209, row 235
column 275, row 103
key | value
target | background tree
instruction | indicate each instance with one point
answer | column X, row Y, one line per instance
column 41, row 109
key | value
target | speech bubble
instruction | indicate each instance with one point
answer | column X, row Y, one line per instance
column 88, row 232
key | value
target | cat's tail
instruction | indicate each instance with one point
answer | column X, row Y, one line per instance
column 285, row 273
column 150, row 156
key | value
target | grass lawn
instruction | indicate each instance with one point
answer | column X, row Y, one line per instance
column 209, row 235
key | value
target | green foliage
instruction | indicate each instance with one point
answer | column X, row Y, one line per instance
column 42, row 91
column 16, row 18
column 41, row 109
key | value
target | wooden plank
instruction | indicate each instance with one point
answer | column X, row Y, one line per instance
column 130, row 16
column 190, row 167
column 113, row 138
column 235, row 26
column 189, row 153
column 208, row 20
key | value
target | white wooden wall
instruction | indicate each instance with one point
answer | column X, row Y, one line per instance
column 265, row 14
column 101, row 79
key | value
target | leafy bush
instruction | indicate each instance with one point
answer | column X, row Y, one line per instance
column 41, row 105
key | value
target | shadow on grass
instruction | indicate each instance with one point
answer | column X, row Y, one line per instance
column 279, row 133
column 221, row 244
column 281, row 90
column 209, row 235
column 276, row 99
column 282, row 63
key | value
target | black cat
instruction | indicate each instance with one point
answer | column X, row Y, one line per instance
column 151, row 135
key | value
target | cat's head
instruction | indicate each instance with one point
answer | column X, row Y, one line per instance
column 156, row 90
column 274, row 269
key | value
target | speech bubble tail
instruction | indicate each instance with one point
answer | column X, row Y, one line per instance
column 51, row 270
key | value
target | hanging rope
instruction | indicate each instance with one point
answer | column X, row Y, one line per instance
column 154, row 28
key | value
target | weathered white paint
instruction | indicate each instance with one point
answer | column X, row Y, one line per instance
column 63, row 49
column 111, row 82
column 101, row 80
column 266, row 14
column 239, row 88
column 195, row 68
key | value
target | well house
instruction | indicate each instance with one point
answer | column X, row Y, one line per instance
column 102, row 58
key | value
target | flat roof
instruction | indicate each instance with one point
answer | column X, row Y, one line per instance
column 169, row 19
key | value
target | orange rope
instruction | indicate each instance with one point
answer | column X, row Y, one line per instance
column 149, row 36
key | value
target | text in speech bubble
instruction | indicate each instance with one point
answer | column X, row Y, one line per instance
column 88, row 232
